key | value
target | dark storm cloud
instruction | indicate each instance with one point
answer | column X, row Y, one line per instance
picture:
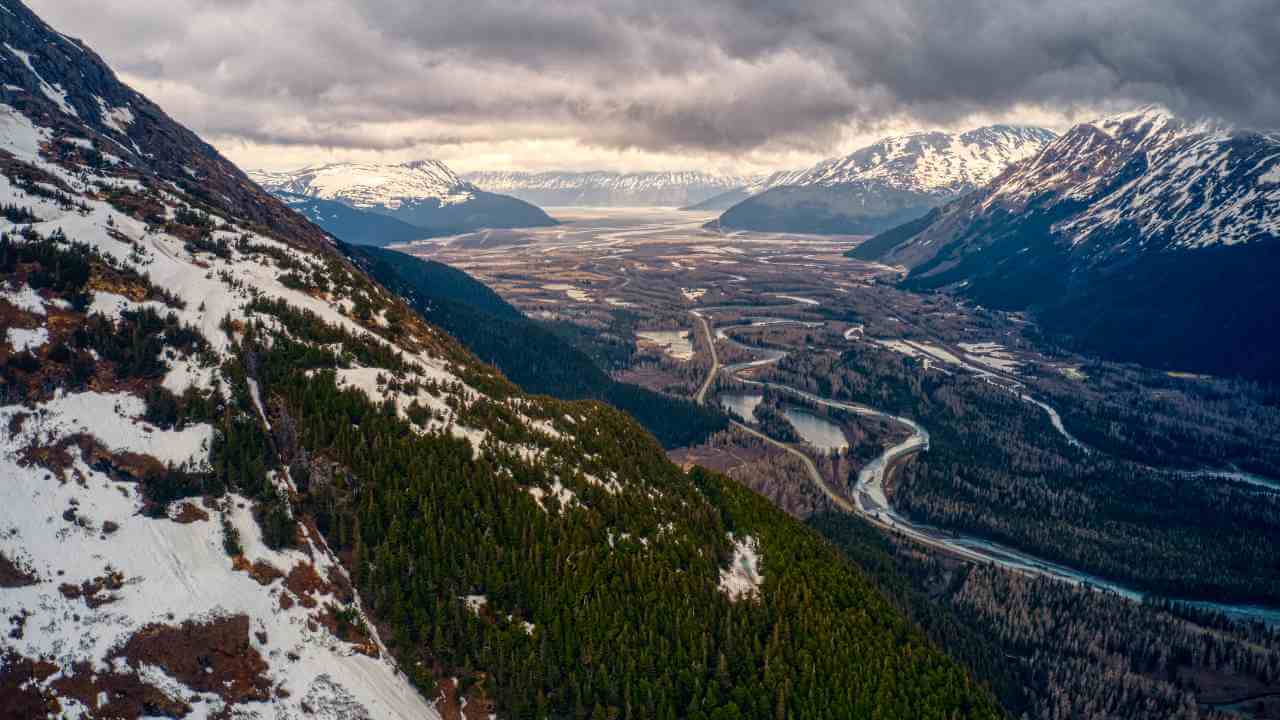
column 718, row 76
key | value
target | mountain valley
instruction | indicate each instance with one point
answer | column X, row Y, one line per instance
column 241, row 477
column 962, row 425
column 1005, row 413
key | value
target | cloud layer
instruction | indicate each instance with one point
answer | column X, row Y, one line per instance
column 724, row 80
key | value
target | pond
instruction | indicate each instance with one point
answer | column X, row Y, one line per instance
column 818, row 432
column 675, row 343
column 744, row 406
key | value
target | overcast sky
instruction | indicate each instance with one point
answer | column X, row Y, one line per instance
column 727, row 85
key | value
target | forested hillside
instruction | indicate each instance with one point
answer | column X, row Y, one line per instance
column 996, row 467
column 532, row 356
column 1061, row 652
column 588, row 579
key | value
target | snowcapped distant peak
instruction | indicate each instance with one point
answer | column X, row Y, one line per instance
column 929, row 162
column 366, row 185
column 600, row 187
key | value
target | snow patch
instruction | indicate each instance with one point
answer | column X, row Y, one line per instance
column 742, row 579
column 558, row 491
column 25, row 299
column 21, row 339
column 54, row 92
column 20, row 136
column 574, row 293
column 115, row 420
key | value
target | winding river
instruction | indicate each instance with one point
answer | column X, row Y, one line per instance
column 869, row 498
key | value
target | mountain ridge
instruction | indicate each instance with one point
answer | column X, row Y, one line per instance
column 1135, row 215
column 353, row 225
column 881, row 185
column 423, row 193
column 608, row 188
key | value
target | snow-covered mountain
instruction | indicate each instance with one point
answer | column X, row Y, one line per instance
column 241, row 479
column 927, row 162
column 370, row 185
column 886, row 183
column 1163, row 181
column 601, row 188
column 1142, row 234
column 423, row 193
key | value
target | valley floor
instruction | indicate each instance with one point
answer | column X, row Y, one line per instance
column 961, row 433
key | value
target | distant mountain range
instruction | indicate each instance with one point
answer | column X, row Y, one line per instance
column 423, row 194
column 889, row 182
column 601, row 188
column 1139, row 236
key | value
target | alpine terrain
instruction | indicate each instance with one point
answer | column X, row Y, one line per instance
column 1139, row 236
column 240, row 478
column 882, row 185
column 424, row 194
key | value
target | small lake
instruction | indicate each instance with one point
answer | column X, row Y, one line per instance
column 818, row 432
column 675, row 343
column 742, row 405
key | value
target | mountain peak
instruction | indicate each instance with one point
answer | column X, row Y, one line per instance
column 929, row 162
column 891, row 181
column 1173, row 182
column 1134, row 207
column 367, row 185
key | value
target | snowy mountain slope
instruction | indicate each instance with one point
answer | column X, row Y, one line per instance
column 240, row 477
column 1127, row 232
column 111, row 596
column 424, row 193
column 665, row 189
column 889, row 182
column 369, row 185
column 1171, row 182
column 928, row 162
